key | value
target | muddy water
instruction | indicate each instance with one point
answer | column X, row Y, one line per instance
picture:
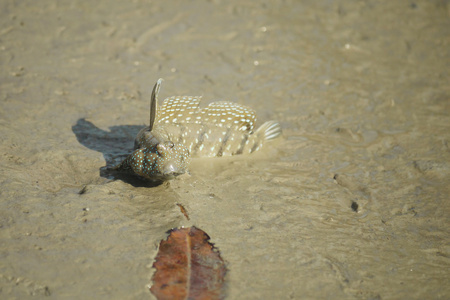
column 352, row 202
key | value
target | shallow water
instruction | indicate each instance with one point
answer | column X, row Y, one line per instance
column 351, row 203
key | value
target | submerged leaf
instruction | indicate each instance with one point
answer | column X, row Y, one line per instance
column 188, row 267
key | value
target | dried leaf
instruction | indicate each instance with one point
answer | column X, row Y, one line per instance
column 183, row 210
column 188, row 267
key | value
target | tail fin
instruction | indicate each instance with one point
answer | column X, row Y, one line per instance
column 270, row 130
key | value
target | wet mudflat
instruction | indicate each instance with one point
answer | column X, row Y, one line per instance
column 351, row 203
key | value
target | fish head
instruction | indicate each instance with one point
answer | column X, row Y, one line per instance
column 161, row 162
column 172, row 160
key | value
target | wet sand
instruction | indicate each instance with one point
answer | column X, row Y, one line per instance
column 351, row 203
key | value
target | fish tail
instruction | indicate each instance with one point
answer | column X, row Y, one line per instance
column 265, row 132
column 269, row 130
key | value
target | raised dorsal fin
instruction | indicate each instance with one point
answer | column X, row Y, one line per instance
column 153, row 102
column 186, row 110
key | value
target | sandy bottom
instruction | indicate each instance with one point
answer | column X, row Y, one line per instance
column 351, row 203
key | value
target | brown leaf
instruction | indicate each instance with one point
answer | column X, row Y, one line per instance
column 183, row 210
column 188, row 267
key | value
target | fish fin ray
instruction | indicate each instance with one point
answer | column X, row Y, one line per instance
column 269, row 130
column 179, row 109
column 229, row 115
column 185, row 110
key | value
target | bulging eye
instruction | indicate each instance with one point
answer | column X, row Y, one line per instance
column 161, row 148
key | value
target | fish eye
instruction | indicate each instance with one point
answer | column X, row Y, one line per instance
column 170, row 144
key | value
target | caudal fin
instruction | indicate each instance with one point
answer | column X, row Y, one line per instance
column 269, row 130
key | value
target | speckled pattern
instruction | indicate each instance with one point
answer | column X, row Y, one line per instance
column 163, row 161
column 181, row 129
column 220, row 129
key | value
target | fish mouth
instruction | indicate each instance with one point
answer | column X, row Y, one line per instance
column 165, row 176
column 171, row 174
column 171, row 171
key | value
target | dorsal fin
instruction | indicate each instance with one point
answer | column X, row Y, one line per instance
column 186, row 110
column 179, row 109
column 153, row 102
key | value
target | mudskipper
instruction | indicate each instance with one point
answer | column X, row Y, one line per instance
column 180, row 129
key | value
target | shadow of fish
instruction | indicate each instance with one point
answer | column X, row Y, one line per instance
column 180, row 129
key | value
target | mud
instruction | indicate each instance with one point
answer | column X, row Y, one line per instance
column 351, row 203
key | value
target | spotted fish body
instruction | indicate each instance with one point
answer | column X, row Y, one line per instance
column 161, row 162
column 181, row 129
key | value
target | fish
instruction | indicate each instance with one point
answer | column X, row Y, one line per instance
column 180, row 130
